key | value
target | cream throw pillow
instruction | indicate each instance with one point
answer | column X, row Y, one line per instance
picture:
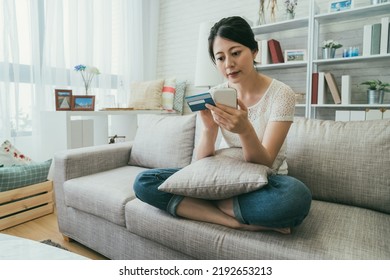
column 218, row 177
column 163, row 141
column 146, row 95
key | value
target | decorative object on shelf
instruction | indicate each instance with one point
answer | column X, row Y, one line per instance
column 261, row 18
column 87, row 73
column 376, row 90
column 83, row 103
column 329, row 49
column 290, row 8
column 375, row 2
column 273, row 5
column 351, row 52
column 116, row 139
column 295, row 55
column 63, row 99
column 337, row 6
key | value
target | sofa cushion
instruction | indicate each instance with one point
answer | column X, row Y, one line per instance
column 103, row 194
column 168, row 94
column 163, row 141
column 330, row 231
column 10, row 155
column 222, row 176
column 146, row 95
column 14, row 177
column 178, row 101
column 343, row 162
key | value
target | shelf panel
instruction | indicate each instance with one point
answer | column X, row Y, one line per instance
column 343, row 60
column 354, row 13
column 285, row 65
column 351, row 106
column 281, row 26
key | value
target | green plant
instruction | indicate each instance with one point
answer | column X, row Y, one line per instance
column 331, row 44
column 376, row 85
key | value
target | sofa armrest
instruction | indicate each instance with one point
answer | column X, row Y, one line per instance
column 80, row 162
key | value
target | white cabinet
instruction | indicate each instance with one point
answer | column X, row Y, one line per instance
column 308, row 33
column 62, row 130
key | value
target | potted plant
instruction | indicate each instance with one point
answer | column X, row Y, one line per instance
column 329, row 48
column 375, row 91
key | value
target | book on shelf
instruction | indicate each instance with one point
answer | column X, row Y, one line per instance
column 276, row 51
column 321, row 88
column 367, row 31
column 376, row 38
column 334, row 90
column 384, row 47
column 345, row 89
column 265, row 56
column 314, row 88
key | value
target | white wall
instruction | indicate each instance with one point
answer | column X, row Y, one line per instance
column 179, row 24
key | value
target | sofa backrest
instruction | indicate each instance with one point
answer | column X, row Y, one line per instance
column 342, row 162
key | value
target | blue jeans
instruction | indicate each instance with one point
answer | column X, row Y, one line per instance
column 283, row 202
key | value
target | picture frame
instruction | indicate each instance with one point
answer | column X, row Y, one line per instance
column 63, row 99
column 295, row 55
column 83, row 103
column 337, row 6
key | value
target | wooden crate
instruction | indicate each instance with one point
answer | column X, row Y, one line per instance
column 24, row 204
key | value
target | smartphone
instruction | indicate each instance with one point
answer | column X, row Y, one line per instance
column 225, row 96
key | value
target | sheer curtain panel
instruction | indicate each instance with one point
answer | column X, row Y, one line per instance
column 42, row 40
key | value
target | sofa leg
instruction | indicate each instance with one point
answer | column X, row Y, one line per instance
column 67, row 239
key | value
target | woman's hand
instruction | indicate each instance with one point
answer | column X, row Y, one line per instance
column 231, row 119
column 207, row 119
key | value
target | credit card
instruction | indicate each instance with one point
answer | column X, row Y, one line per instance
column 198, row 102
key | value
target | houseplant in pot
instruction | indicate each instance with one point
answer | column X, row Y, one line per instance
column 329, row 48
column 375, row 91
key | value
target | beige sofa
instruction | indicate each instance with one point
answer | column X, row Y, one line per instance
column 346, row 165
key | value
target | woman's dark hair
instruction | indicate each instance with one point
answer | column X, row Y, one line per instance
column 235, row 29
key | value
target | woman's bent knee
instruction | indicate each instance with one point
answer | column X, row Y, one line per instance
column 284, row 202
column 146, row 187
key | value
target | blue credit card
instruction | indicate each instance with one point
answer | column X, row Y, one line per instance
column 198, row 102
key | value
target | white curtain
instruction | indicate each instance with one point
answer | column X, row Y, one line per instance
column 119, row 37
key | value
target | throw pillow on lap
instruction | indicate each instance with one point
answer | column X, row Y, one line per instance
column 221, row 176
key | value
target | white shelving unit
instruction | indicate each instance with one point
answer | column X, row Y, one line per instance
column 62, row 130
column 312, row 24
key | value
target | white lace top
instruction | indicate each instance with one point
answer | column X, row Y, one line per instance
column 277, row 104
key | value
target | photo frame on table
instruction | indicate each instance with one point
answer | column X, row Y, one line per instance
column 83, row 103
column 337, row 6
column 63, row 99
column 295, row 55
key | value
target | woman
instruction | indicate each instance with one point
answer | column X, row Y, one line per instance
column 259, row 125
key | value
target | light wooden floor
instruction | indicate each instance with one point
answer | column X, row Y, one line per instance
column 46, row 227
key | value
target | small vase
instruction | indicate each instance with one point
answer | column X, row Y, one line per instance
column 290, row 15
column 328, row 53
column 375, row 96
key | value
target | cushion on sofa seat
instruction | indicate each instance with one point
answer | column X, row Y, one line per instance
column 330, row 231
column 103, row 194
column 14, row 177
column 343, row 162
column 163, row 141
column 218, row 177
